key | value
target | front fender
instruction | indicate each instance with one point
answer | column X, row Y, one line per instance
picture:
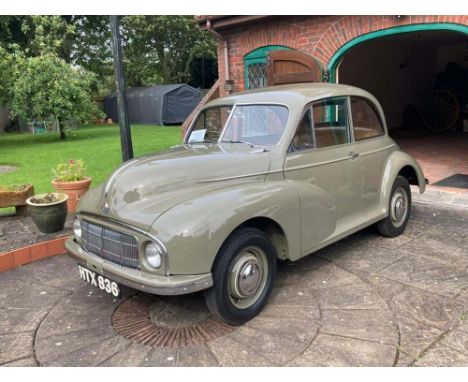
column 395, row 163
column 194, row 230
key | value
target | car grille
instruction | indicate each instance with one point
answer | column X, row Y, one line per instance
column 116, row 247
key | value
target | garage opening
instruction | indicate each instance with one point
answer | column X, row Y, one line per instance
column 421, row 80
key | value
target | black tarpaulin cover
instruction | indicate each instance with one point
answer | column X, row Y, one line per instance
column 163, row 104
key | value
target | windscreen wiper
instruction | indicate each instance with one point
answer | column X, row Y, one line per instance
column 234, row 141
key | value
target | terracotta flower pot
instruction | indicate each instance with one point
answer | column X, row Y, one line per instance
column 74, row 190
column 48, row 217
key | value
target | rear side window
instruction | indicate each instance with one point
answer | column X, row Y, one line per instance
column 331, row 122
column 366, row 121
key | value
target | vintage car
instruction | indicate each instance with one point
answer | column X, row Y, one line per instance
column 264, row 175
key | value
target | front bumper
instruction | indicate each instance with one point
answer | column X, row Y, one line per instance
column 162, row 285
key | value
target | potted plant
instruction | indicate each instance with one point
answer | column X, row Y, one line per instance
column 15, row 196
column 48, row 211
column 70, row 179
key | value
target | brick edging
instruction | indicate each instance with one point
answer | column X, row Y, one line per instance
column 37, row 251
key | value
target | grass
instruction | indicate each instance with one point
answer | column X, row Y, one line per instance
column 35, row 155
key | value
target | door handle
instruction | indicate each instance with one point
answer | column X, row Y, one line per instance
column 353, row 155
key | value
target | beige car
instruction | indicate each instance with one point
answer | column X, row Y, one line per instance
column 265, row 175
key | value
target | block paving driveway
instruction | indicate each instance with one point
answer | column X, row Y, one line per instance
column 364, row 301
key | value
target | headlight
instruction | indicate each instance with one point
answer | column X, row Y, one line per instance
column 153, row 254
column 77, row 229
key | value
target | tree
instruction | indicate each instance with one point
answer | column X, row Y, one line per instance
column 7, row 75
column 46, row 86
column 92, row 49
column 160, row 49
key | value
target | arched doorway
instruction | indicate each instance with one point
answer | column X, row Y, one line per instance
column 419, row 74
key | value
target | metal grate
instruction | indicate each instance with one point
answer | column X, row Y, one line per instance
column 116, row 247
column 257, row 75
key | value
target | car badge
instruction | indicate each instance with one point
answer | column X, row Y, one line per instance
column 105, row 208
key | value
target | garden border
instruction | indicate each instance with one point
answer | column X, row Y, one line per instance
column 33, row 252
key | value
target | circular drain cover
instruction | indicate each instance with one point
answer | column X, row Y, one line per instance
column 167, row 321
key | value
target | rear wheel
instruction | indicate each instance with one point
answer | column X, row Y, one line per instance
column 399, row 209
column 243, row 276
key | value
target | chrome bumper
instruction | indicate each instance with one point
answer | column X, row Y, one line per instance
column 162, row 285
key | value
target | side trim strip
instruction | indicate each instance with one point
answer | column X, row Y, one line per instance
column 315, row 164
column 378, row 150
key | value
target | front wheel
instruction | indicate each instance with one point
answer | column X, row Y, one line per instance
column 399, row 209
column 243, row 276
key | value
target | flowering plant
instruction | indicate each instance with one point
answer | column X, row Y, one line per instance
column 71, row 171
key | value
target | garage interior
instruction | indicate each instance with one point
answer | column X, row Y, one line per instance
column 403, row 71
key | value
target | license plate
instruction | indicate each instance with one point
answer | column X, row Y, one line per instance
column 99, row 281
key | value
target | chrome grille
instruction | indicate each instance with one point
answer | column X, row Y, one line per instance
column 116, row 247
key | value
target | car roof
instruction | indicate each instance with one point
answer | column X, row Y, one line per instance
column 292, row 94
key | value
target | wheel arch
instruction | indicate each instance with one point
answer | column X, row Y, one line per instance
column 273, row 230
column 400, row 164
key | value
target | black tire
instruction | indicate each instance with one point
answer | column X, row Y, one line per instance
column 237, row 253
column 391, row 226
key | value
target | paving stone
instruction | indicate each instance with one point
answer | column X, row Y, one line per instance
column 49, row 348
column 161, row 357
column 19, row 320
column 199, row 356
column 29, row 295
column 232, row 353
column 134, row 355
column 443, row 355
column 327, row 350
column 292, row 295
column 370, row 325
column 89, row 299
column 65, row 322
column 354, row 296
column 422, row 318
column 270, row 337
column 428, row 274
column 457, row 338
column 326, row 275
column 23, row 362
column 365, row 262
column 16, row 345
column 92, row 355
column 451, row 250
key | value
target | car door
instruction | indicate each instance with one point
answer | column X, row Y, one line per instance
column 372, row 149
column 327, row 179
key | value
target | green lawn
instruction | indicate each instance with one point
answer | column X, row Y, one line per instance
column 36, row 155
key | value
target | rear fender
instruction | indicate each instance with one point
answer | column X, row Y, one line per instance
column 395, row 163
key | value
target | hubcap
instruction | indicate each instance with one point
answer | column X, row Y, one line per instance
column 399, row 207
column 247, row 278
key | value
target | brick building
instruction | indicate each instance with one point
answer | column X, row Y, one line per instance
column 399, row 59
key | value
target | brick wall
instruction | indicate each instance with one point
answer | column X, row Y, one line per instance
column 213, row 93
column 318, row 36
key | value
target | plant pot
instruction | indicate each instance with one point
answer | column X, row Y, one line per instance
column 16, row 198
column 49, row 217
column 74, row 190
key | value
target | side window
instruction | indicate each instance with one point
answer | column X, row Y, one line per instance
column 303, row 138
column 331, row 122
column 366, row 121
column 209, row 124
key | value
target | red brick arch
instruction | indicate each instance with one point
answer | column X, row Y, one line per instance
column 276, row 33
column 348, row 27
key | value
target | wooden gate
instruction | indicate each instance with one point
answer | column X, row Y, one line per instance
column 292, row 66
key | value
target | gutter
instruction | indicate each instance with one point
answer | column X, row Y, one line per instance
column 210, row 29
